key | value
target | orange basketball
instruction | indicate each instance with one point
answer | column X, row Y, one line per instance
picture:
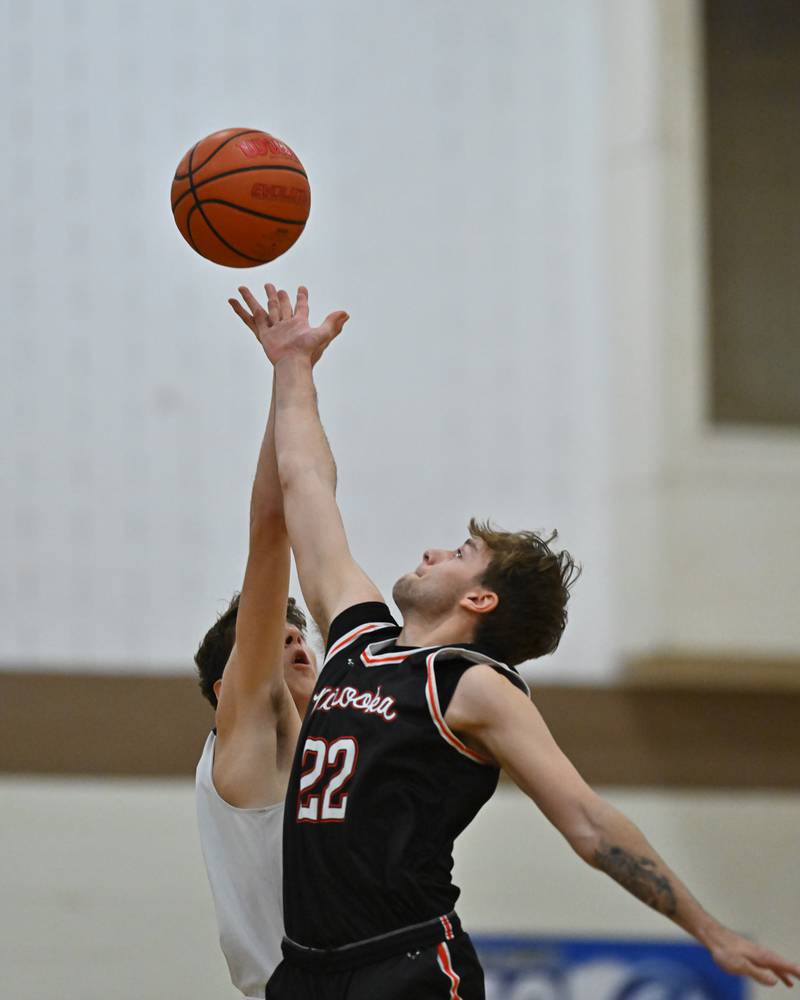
column 240, row 197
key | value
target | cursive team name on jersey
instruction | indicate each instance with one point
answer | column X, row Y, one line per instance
column 370, row 702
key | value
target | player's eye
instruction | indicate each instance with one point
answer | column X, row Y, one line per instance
column 459, row 554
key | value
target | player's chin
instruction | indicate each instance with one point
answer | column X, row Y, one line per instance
column 406, row 583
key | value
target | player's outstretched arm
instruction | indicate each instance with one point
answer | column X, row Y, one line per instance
column 256, row 720
column 330, row 578
column 499, row 720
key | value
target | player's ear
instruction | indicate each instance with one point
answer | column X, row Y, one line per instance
column 480, row 601
column 217, row 688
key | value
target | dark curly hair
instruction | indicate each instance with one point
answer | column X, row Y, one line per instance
column 532, row 583
column 215, row 649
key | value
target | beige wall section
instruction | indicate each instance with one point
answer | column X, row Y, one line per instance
column 753, row 84
column 735, row 852
column 730, row 494
column 107, row 896
column 706, row 526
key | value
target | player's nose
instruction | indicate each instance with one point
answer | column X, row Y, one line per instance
column 431, row 556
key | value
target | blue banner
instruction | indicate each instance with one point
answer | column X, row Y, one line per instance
column 544, row 968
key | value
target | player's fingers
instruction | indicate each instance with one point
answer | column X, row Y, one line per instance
column 774, row 963
column 285, row 304
column 255, row 306
column 770, row 970
column 272, row 303
column 760, row 975
column 334, row 324
column 243, row 314
column 772, row 960
column 301, row 305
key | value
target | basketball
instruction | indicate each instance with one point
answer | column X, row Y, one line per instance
column 240, row 197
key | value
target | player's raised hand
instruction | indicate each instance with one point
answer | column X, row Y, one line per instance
column 738, row 955
column 284, row 331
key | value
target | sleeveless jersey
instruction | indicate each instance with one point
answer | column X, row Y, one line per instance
column 242, row 852
column 380, row 786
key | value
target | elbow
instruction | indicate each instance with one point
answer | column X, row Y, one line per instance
column 297, row 473
column 586, row 845
column 586, row 834
column 267, row 524
column 266, row 505
column 291, row 469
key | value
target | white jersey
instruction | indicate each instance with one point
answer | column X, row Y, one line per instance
column 243, row 854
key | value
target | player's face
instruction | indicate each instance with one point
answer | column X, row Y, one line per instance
column 443, row 577
column 299, row 663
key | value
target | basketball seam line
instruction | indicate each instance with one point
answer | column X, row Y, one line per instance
column 250, row 211
column 238, row 170
column 198, row 206
column 213, row 153
column 192, row 210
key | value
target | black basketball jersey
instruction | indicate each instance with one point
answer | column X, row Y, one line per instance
column 380, row 786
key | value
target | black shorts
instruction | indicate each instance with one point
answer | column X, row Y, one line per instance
column 449, row 970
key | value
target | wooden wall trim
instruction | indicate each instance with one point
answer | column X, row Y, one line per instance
column 677, row 737
column 145, row 725
column 705, row 670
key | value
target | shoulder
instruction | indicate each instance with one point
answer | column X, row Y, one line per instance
column 466, row 661
column 203, row 769
column 485, row 678
column 483, row 692
column 359, row 620
column 241, row 709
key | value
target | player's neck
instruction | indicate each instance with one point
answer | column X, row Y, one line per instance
column 421, row 632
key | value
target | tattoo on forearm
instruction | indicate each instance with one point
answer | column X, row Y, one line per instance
column 640, row 877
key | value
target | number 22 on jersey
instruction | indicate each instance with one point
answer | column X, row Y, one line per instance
column 327, row 769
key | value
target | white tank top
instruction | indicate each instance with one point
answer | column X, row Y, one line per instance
column 243, row 854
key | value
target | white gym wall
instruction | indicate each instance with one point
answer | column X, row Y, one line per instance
column 502, row 199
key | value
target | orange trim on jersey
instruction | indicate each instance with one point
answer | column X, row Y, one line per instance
column 397, row 656
column 352, row 635
column 448, row 929
column 446, row 965
column 445, row 732
column 386, row 657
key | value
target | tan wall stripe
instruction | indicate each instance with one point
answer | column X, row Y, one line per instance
column 89, row 724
